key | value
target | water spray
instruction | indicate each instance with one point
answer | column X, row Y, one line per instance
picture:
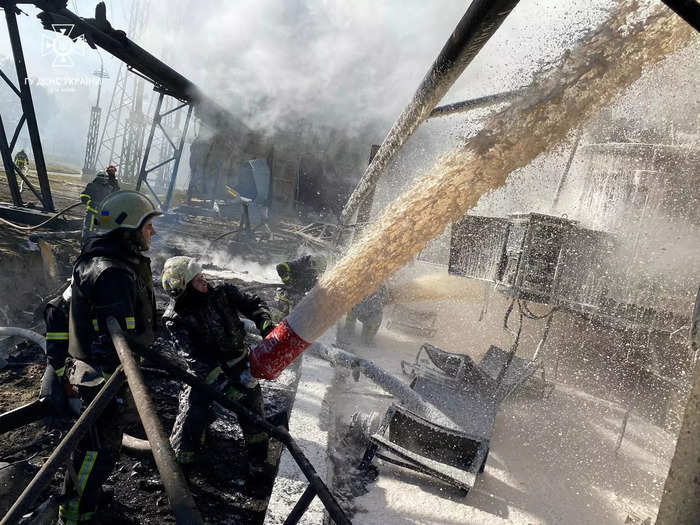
column 562, row 98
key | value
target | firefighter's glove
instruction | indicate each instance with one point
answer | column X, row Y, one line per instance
column 53, row 391
column 267, row 327
column 246, row 379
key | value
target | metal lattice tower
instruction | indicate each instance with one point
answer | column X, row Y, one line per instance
column 121, row 143
column 91, row 147
column 171, row 122
column 134, row 131
column 94, row 127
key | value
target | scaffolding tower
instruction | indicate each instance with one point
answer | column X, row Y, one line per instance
column 122, row 137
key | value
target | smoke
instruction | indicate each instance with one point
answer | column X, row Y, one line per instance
column 350, row 66
column 217, row 262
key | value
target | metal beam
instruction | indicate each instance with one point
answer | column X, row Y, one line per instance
column 178, row 156
column 151, row 68
column 28, row 106
column 680, row 500
column 143, row 172
column 474, row 103
column 688, row 10
column 479, row 23
column 301, row 506
column 9, row 165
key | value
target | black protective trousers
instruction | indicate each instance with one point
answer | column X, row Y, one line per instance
column 95, row 457
column 195, row 413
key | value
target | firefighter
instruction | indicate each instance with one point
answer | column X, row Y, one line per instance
column 111, row 278
column 56, row 319
column 370, row 313
column 104, row 183
column 22, row 163
column 203, row 321
column 298, row 276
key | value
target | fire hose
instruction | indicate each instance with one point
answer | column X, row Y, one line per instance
column 27, row 334
column 279, row 433
column 53, row 217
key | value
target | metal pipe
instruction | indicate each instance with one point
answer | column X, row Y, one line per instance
column 479, row 23
column 279, row 433
column 62, row 453
column 474, row 103
column 181, row 499
column 688, row 10
column 567, row 168
column 23, row 332
column 408, row 397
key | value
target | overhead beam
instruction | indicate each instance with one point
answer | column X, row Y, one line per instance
column 688, row 10
column 479, row 23
column 142, row 62
column 474, row 103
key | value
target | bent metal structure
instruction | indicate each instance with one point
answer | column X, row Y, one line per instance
column 480, row 21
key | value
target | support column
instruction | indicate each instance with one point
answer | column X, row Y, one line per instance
column 178, row 155
column 681, row 498
column 143, row 173
column 28, row 107
column 9, row 166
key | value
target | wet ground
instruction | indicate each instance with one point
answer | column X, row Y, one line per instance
column 552, row 460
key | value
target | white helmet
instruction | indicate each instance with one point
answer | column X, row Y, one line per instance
column 177, row 273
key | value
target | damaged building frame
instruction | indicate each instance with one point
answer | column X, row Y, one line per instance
column 514, row 252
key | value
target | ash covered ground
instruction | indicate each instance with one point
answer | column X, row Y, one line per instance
column 134, row 493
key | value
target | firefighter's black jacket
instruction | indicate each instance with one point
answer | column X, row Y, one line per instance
column 208, row 328
column 110, row 278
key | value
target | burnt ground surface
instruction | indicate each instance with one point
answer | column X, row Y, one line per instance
column 219, row 482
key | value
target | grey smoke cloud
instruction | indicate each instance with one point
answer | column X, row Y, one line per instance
column 349, row 65
column 346, row 64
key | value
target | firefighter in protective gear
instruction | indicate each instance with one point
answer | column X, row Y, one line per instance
column 298, row 276
column 203, row 321
column 111, row 278
column 105, row 183
column 370, row 313
column 56, row 320
column 22, row 164
column 21, row 160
